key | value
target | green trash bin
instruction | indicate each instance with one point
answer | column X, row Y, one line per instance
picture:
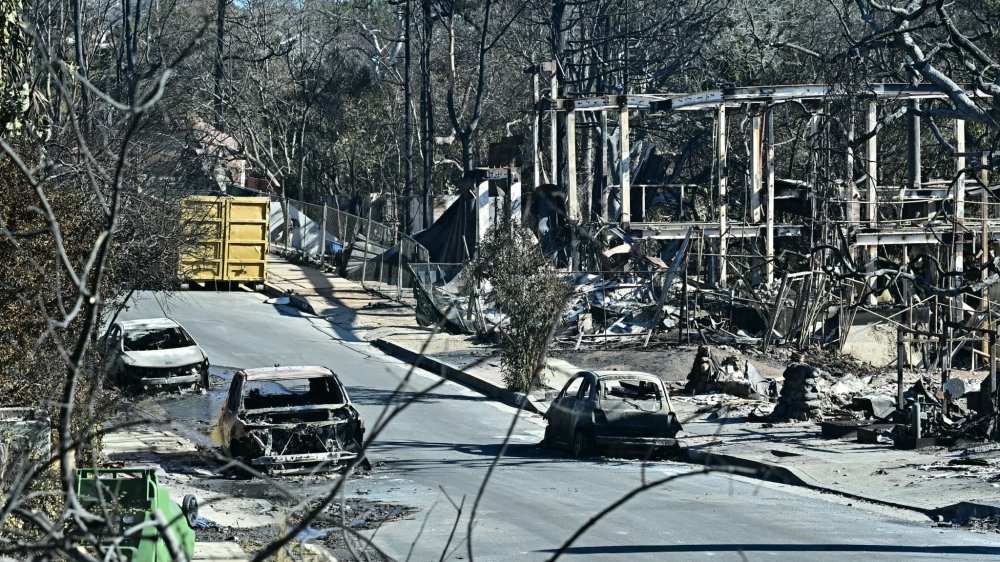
column 129, row 497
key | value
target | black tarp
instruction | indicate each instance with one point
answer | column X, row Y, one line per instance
column 453, row 236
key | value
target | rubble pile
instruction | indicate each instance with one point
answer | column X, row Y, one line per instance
column 621, row 305
column 800, row 397
column 980, row 461
column 728, row 377
column 702, row 373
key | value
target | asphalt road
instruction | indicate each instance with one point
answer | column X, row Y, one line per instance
column 435, row 455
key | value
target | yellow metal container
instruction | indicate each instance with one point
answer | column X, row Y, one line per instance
column 227, row 238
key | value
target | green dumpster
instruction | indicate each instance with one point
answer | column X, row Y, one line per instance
column 127, row 497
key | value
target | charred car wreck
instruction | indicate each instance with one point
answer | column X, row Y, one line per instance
column 612, row 410
column 154, row 353
column 289, row 419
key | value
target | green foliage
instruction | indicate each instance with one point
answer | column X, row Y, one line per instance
column 527, row 291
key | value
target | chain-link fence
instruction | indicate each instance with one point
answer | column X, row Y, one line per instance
column 445, row 296
column 604, row 306
column 376, row 255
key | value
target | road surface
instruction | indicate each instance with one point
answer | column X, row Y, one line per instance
column 435, row 455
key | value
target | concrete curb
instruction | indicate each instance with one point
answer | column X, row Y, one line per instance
column 441, row 368
column 295, row 301
column 760, row 469
column 445, row 370
column 770, row 472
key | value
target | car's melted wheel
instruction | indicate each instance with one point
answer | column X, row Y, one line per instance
column 582, row 444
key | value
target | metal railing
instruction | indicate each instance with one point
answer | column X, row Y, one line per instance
column 374, row 254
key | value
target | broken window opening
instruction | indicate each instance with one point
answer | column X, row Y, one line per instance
column 292, row 392
column 641, row 395
column 158, row 339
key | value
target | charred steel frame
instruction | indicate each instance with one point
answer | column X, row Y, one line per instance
column 860, row 199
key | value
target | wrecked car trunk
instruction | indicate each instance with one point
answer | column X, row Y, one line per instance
column 288, row 419
column 301, row 436
column 633, row 413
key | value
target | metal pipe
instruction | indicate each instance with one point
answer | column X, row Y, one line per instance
column 322, row 239
column 900, row 358
column 535, row 126
column 722, row 194
column 770, row 208
column 626, row 165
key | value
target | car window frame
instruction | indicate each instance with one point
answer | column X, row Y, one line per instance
column 664, row 398
column 564, row 392
column 113, row 340
column 235, row 394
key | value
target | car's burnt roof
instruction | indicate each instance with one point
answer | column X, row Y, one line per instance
column 619, row 375
column 283, row 373
column 148, row 324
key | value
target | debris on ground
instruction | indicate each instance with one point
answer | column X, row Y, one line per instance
column 729, row 377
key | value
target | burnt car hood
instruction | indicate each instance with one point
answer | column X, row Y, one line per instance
column 164, row 358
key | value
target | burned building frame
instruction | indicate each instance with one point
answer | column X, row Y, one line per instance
column 844, row 245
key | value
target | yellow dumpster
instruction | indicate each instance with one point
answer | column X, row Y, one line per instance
column 226, row 239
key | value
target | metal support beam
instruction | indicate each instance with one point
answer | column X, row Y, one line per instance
column 852, row 195
column 722, row 146
column 514, row 180
column 958, row 241
column 756, row 174
column 769, row 161
column 554, row 130
column 605, row 170
column 813, row 193
column 482, row 209
column 322, row 238
column 625, row 171
column 985, row 257
column 888, row 237
column 756, row 168
column 572, row 195
column 959, row 257
column 913, row 156
column 536, row 125
column 871, row 181
column 871, row 167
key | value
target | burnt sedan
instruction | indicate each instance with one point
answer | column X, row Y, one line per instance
column 154, row 353
column 290, row 419
column 612, row 410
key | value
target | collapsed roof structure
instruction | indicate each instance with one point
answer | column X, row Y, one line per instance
column 833, row 217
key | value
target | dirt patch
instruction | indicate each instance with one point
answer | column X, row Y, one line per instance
column 336, row 530
column 671, row 363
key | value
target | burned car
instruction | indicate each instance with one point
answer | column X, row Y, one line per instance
column 601, row 410
column 290, row 419
column 154, row 353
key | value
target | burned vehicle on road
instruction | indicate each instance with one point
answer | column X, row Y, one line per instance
column 612, row 410
column 154, row 353
column 290, row 419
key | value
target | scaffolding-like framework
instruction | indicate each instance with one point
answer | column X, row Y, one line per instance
column 929, row 213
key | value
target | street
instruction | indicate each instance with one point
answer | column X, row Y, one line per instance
column 435, row 455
